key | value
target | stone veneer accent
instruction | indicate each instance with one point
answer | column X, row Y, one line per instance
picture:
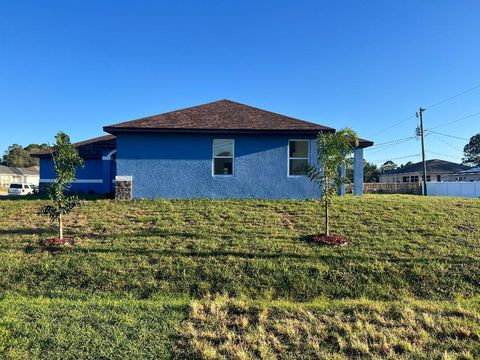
column 123, row 187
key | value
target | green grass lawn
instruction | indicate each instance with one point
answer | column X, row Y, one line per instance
column 236, row 279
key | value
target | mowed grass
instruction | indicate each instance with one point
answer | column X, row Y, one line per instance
column 197, row 278
column 426, row 248
column 340, row 329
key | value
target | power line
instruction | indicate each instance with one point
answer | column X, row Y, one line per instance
column 394, row 125
column 396, row 158
column 390, row 143
column 454, row 121
column 429, row 107
column 382, row 148
column 453, row 97
column 450, row 156
column 447, row 143
column 448, row 135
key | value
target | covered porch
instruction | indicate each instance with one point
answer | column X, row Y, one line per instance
column 357, row 169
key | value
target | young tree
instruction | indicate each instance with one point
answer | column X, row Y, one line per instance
column 65, row 162
column 332, row 151
column 471, row 151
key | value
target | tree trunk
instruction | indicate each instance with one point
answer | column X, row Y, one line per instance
column 327, row 224
column 60, row 227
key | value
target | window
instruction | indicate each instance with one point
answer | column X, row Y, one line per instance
column 439, row 178
column 414, row 178
column 223, row 156
column 405, row 179
column 297, row 157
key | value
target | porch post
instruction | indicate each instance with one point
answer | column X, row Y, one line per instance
column 358, row 171
column 342, row 172
column 106, row 170
column 106, row 165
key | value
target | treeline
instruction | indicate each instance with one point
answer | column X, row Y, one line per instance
column 18, row 156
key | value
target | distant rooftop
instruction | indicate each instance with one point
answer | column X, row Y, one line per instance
column 7, row 170
column 433, row 166
column 470, row 171
column 91, row 148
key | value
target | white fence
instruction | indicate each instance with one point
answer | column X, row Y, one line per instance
column 458, row 188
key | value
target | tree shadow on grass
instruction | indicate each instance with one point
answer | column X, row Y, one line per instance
column 27, row 231
column 338, row 259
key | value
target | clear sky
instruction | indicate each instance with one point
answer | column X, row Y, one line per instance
column 77, row 65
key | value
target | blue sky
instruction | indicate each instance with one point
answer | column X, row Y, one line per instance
column 78, row 65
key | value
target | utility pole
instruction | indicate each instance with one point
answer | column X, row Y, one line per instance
column 421, row 133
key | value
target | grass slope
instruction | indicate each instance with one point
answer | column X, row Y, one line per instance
column 139, row 264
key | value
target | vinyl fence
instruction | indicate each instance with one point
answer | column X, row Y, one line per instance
column 461, row 188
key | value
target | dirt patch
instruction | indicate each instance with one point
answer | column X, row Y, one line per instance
column 54, row 242
column 332, row 240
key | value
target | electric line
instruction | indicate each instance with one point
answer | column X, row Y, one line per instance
column 447, row 143
column 382, row 148
column 448, row 135
column 454, row 121
column 454, row 96
column 396, row 158
column 429, row 107
column 389, row 143
column 450, row 156
column 394, row 125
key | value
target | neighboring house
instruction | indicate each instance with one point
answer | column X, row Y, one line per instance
column 437, row 170
column 98, row 172
column 9, row 175
column 472, row 174
column 222, row 149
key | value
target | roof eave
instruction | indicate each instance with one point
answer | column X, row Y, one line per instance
column 362, row 144
column 114, row 130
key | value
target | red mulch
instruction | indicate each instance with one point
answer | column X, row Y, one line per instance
column 66, row 241
column 335, row 240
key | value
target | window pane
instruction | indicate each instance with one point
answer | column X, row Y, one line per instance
column 298, row 167
column 299, row 149
column 223, row 166
column 222, row 147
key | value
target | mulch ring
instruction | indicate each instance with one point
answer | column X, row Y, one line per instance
column 333, row 240
column 55, row 242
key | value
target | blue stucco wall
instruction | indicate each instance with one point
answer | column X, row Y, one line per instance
column 91, row 171
column 180, row 166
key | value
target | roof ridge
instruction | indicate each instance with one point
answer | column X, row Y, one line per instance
column 218, row 115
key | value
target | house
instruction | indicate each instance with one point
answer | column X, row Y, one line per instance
column 9, row 175
column 98, row 172
column 472, row 174
column 437, row 170
column 222, row 149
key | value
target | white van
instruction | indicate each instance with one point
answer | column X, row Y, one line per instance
column 21, row 189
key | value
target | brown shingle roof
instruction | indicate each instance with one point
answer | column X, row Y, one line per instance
column 433, row 166
column 218, row 116
column 5, row 170
column 91, row 148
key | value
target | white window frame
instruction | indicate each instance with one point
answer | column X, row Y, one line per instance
column 297, row 158
column 223, row 157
